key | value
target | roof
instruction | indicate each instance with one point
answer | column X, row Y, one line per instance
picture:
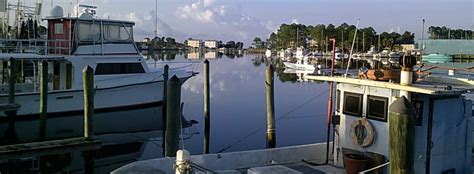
column 29, row 56
column 429, row 85
column 95, row 20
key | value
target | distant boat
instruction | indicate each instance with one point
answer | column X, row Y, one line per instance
column 268, row 53
column 437, row 58
column 300, row 52
column 299, row 66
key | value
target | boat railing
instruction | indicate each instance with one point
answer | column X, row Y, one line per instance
column 36, row 46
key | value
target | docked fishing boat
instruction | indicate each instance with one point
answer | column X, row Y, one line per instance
column 122, row 78
column 301, row 64
column 419, row 125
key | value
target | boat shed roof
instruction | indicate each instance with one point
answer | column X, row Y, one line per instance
column 29, row 56
column 432, row 85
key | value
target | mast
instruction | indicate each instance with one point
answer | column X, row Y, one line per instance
column 422, row 42
column 156, row 18
column 352, row 48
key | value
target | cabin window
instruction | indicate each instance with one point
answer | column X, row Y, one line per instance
column 338, row 99
column 113, row 33
column 352, row 104
column 377, row 108
column 118, row 68
column 88, row 32
column 58, row 28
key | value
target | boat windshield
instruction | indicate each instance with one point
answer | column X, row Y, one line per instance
column 104, row 32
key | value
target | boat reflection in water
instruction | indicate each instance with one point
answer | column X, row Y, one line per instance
column 124, row 134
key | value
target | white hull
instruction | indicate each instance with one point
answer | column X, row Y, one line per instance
column 299, row 66
column 72, row 101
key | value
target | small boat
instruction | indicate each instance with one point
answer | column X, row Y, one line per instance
column 299, row 66
column 437, row 58
column 268, row 53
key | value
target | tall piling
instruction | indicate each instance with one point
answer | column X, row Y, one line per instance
column 88, row 85
column 11, row 114
column 43, row 67
column 402, row 136
column 173, row 116
column 269, row 88
column 11, row 80
column 207, row 107
column 163, row 113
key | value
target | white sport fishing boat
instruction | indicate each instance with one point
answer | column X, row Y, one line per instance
column 301, row 64
column 122, row 78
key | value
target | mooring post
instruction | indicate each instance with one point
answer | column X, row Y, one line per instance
column 88, row 85
column 401, row 136
column 11, row 114
column 43, row 98
column 207, row 107
column 163, row 113
column 271, row 138
column 173, row 116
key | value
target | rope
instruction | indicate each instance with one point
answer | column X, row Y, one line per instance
column 277, row 119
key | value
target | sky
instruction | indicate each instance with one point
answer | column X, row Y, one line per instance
column 243, row 20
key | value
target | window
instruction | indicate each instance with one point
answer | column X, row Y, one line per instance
column 88, row 32
column 117, row 32
column 418, row 105
column 377, row 108
column 58, row 28
column 118, row 68
column 352, row 104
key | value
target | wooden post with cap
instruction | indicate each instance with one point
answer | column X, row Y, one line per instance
column 269, row 88
column 207, row 107
column 88, row 85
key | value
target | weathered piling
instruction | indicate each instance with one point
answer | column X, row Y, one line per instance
column 173, row 116
column 271, row 138
column 11, row 80
column 43, row 98
column 163, row 113
column 88, row 85
column 402, row 136
column 11, row 113
column 207, row 107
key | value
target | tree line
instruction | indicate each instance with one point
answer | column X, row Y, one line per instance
column 316, row 38
column 436, row 32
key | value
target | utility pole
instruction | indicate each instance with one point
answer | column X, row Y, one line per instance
column 422, row 42
column 156, row 18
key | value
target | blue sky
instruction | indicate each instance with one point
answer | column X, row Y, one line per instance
column 242, row 20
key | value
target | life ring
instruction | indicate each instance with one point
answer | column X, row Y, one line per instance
column 362, row 133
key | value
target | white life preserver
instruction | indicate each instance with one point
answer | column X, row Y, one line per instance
column 361, row 132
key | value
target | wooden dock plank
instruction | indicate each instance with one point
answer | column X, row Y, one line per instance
column 47, row 148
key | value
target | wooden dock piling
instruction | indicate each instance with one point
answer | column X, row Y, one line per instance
column 88, row 85
column 401, row 136
column 11, row 80
column 207, row 107
column 163, row 113
column 269, row 87
column 43, row 99
column 173, row 116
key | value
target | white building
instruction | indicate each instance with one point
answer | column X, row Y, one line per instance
column 194, row 43
column 212, row 44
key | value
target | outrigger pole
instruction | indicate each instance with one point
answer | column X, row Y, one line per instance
column 331, row 91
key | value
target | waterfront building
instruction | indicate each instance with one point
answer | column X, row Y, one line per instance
column 194, row 43
column 212, row 44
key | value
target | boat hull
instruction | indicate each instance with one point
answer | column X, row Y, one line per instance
column 71, row 102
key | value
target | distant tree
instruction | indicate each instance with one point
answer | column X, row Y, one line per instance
column 257, row 42
column 230, row 44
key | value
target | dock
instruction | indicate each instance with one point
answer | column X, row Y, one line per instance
column 35, row 149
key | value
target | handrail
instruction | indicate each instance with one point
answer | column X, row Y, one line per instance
column 38, row 46
column 375, row 168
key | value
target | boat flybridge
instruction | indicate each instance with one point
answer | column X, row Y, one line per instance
column 413, row 123
column 122, row 78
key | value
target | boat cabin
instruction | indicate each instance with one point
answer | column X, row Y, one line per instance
column 442, row 122
column 89, row 36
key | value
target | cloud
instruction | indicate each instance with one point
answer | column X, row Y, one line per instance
column 218, row 19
